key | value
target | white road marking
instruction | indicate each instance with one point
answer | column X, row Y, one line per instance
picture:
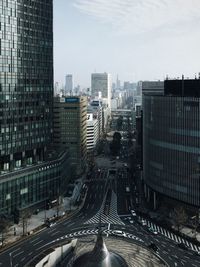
column 35, row 240
column 17, row 254
column 15, row 250
column 55, row 233
column 38, row 243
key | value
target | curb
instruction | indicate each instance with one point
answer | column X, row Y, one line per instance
column 42, row 227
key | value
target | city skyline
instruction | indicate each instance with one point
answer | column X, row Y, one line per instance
column 120, row 37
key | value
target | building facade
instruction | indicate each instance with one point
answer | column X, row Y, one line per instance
column 171, row 142
column 70, row 128
column 101, row 85
column 26, row 99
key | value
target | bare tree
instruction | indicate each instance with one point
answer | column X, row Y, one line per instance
column 180, row 216
column 25, row 215
column 4, row 225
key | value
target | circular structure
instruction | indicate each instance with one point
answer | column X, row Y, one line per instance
column 100, row 257
column 120, row 253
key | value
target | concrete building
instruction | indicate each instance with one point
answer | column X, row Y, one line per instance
column 31, row 172
column 68, row 84
column 101, row 85
column 70, row 128
column 171, row 142
column 92, row 132
column 96, row 109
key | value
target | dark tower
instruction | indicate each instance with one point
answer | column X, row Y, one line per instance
column 30, row 173
column 26, row 81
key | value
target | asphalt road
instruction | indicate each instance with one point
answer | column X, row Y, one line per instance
column 85, row 222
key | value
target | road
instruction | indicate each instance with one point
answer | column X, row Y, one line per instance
column 108, row 199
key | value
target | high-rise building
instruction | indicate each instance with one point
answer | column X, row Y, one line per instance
column 68, row 84
column 70, row 128
column 118, row 83
column 171, row 142
column 26, row 102
column 101, row 87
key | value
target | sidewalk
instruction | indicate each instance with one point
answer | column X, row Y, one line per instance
column 36, row 221
column 15, row 232
column 184, row 230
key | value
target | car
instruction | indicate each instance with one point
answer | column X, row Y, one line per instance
column 197, row 253
column 143, row 222
column 182, row 246
column 153, row 231
column 118, row 233
column 49, row 225
column 153, row 246
column 131, row 221
column 133, row 213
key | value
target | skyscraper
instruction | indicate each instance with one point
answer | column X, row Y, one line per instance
column 68, row 84
column 101, row 87
column 171, row 142
column 26, row 100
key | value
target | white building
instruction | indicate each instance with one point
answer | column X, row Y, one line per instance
column 92, row 132
column 68, row 84
column 95, row 107
column 101, row 85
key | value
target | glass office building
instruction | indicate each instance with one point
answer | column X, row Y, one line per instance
column 171, row 142
column 26, row 89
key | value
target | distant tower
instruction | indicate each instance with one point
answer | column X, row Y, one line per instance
column 68, row 84
column 118, row 85
column 101, row 86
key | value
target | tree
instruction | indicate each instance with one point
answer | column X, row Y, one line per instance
column 4, row 224
column 25, row 215
column 116, row 143
column 119, row 123
column 180, row 216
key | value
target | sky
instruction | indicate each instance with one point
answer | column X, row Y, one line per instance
column 136, row 39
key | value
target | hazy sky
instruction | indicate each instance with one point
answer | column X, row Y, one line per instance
column 136, row 39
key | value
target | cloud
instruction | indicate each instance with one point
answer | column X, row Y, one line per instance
column 142, row 16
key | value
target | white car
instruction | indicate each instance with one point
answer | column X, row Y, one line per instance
column 133, row 213
column 143, row 222
column 153, row 231
column 118, row 233
column 131, row 221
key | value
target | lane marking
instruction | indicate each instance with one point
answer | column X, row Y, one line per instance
column 35, row 240
column 15, row 250
column 38, row 243
column 55, row 233
column 18, row 254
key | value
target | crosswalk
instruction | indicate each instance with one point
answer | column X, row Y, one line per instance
column 170, row 235
column 112, row 217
